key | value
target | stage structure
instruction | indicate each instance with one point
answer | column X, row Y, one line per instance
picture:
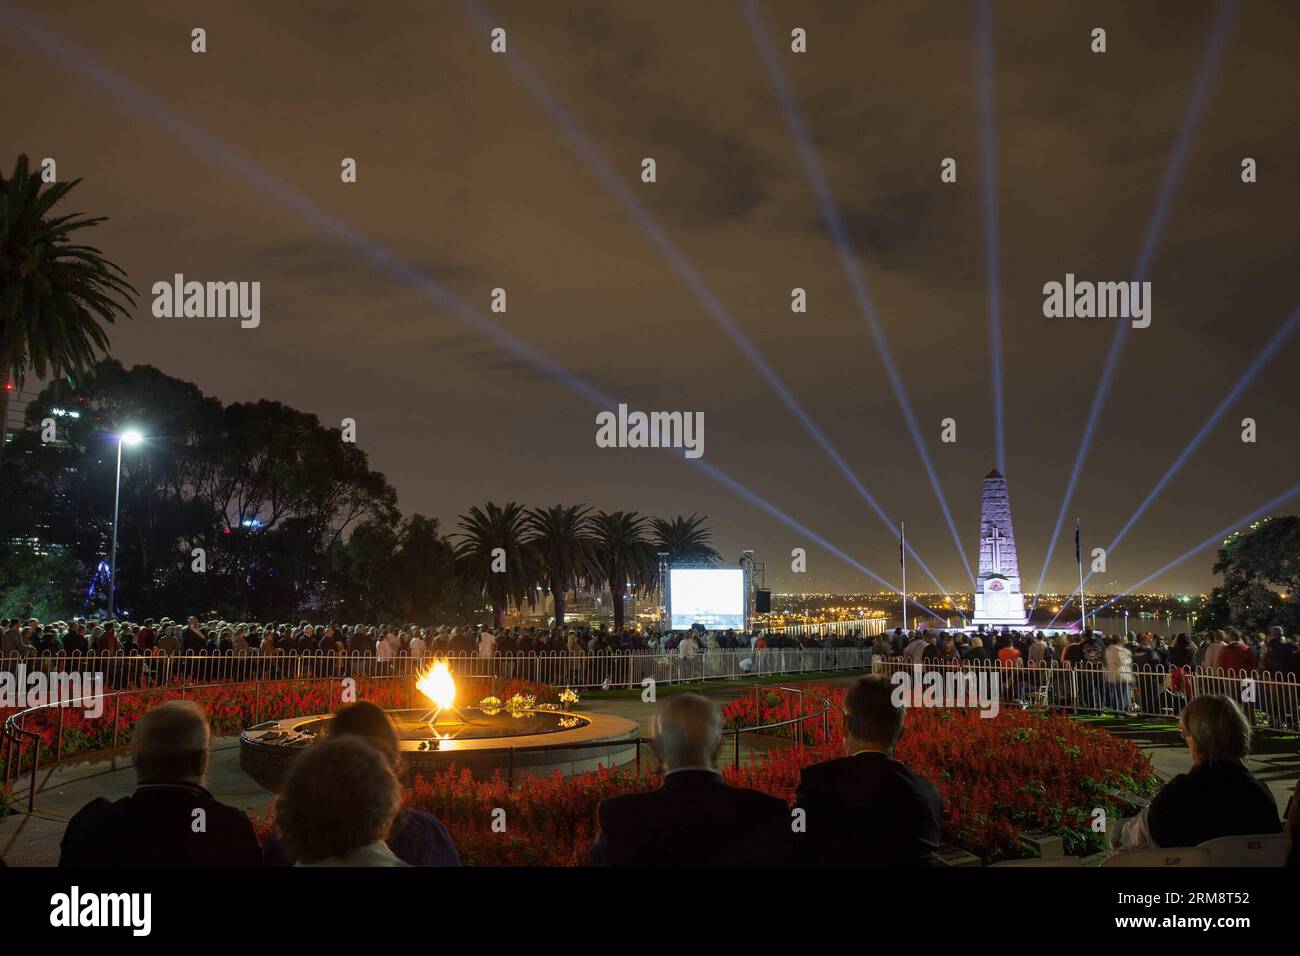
column 999, row 601
column 754, row 571
column 661, row 586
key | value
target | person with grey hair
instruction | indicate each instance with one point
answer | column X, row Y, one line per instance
column 1218, row 797
column 339, row 801
column 867, row 809
column 170, row 819
column 695, row 818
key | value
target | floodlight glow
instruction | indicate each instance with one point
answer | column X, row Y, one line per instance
column 1155, row 225
column 834, row 223
column 131, row 438
column 1213, row 539
column 992, row 256
column 1284, row 332
column 617, row 186
column 141, row 103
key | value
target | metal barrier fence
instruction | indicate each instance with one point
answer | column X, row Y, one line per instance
column 1268, row 698
column 14, row 734
column 580, row 671
column 819, row 711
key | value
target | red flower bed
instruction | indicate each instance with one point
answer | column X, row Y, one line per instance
column 1018, row 771
column 997, row 776
column 233, row 707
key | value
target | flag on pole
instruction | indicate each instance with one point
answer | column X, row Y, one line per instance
column 1078, row 556
column 900, row 546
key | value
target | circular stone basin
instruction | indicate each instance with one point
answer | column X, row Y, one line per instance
column 532, row 742
column 477, row 724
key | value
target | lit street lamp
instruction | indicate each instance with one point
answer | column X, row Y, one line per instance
column 130, row 438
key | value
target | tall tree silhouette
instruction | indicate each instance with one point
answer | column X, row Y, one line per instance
column 505, row 575
column 55, row 293
column 627, row 558
column 566, row 551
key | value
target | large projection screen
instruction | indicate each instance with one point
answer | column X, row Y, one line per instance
column 714, row 597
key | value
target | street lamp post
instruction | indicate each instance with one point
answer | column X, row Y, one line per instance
column 130, row 437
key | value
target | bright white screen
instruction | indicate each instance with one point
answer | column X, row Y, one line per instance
column 714, row 597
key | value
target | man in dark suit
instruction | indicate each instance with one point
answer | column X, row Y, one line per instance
column 867, row 809
column 170, row 820
column 695, row 818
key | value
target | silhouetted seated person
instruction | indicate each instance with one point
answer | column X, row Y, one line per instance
column 339, row 800
column 695, row 818
column 1292, row 828
column 160, row 823
column 867, row 809
column 417, row 838
column 1218, row 797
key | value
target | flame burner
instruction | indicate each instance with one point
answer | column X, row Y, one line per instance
column 437, row 717
column 485, row 742
column 439, row 686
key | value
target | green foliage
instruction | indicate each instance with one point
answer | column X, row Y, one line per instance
column 54, row 292
column 626, row 559
column 36, row 585
column 509, row 577
column 561, row 538
column 686, row 540
column 267, row 492
column 400, row 572
column 1261, row 574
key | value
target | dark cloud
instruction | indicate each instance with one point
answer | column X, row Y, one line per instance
column 468, row 181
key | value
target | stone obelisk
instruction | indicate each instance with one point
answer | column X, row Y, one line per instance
column 998, row 599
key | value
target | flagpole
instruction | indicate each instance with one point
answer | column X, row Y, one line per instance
column 1078, row 559
column 902, row 559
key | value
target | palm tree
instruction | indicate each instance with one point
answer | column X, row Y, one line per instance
column 566, row 552
column 625, row 557
column 686, row 540
column 495, row 556
column 54, row 293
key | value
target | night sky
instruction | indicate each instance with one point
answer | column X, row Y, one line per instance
column 212, row 165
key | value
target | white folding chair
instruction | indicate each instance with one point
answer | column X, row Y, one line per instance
column 1266, row 849
column 1054, row 861
column 1161, row 857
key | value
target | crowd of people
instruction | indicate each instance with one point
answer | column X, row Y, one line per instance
column 341, row 801
column 1120, row 673
column 23, row 637
column 1227, row 649
column 1147, row 673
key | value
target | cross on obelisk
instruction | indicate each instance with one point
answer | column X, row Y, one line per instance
column 998, row 602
